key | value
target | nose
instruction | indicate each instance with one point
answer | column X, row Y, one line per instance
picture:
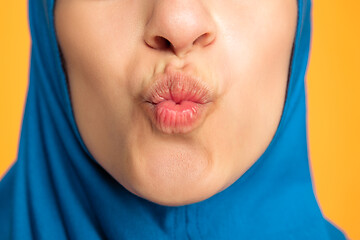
column 179, row 26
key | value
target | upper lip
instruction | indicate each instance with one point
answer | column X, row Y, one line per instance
column 178, row 87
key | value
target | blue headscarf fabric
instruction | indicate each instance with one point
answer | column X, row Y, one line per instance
column 56, row 190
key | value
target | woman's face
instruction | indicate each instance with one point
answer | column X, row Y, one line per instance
column 176, row 99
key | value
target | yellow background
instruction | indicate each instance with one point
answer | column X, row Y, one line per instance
column 333, row 88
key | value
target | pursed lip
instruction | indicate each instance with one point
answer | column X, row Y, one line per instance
column 178, row 87
column 177, row 102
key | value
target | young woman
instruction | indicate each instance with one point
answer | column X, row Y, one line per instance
column 164, row 119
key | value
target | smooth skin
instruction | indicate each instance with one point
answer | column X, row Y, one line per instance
column 112, row 50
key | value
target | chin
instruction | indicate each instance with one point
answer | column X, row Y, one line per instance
column 175, row 179
column 168, row 193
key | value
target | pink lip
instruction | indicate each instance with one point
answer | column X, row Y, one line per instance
column 176, row 103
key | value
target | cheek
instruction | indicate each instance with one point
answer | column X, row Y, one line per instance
column 91, row 36
column 258, row 36
column 96, row 56
column 256, row 43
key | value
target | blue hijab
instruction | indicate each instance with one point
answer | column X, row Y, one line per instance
column 56, row 190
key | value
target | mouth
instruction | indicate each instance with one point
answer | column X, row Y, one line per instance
column 177, row 103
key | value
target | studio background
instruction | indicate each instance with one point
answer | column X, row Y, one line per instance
column 333, row 99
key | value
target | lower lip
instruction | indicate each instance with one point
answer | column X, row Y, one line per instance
column 170, row 117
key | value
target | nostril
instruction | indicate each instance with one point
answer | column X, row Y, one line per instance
column 205, row 39
column 162, row 43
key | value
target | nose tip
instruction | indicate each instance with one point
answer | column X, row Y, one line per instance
column 179, row 26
